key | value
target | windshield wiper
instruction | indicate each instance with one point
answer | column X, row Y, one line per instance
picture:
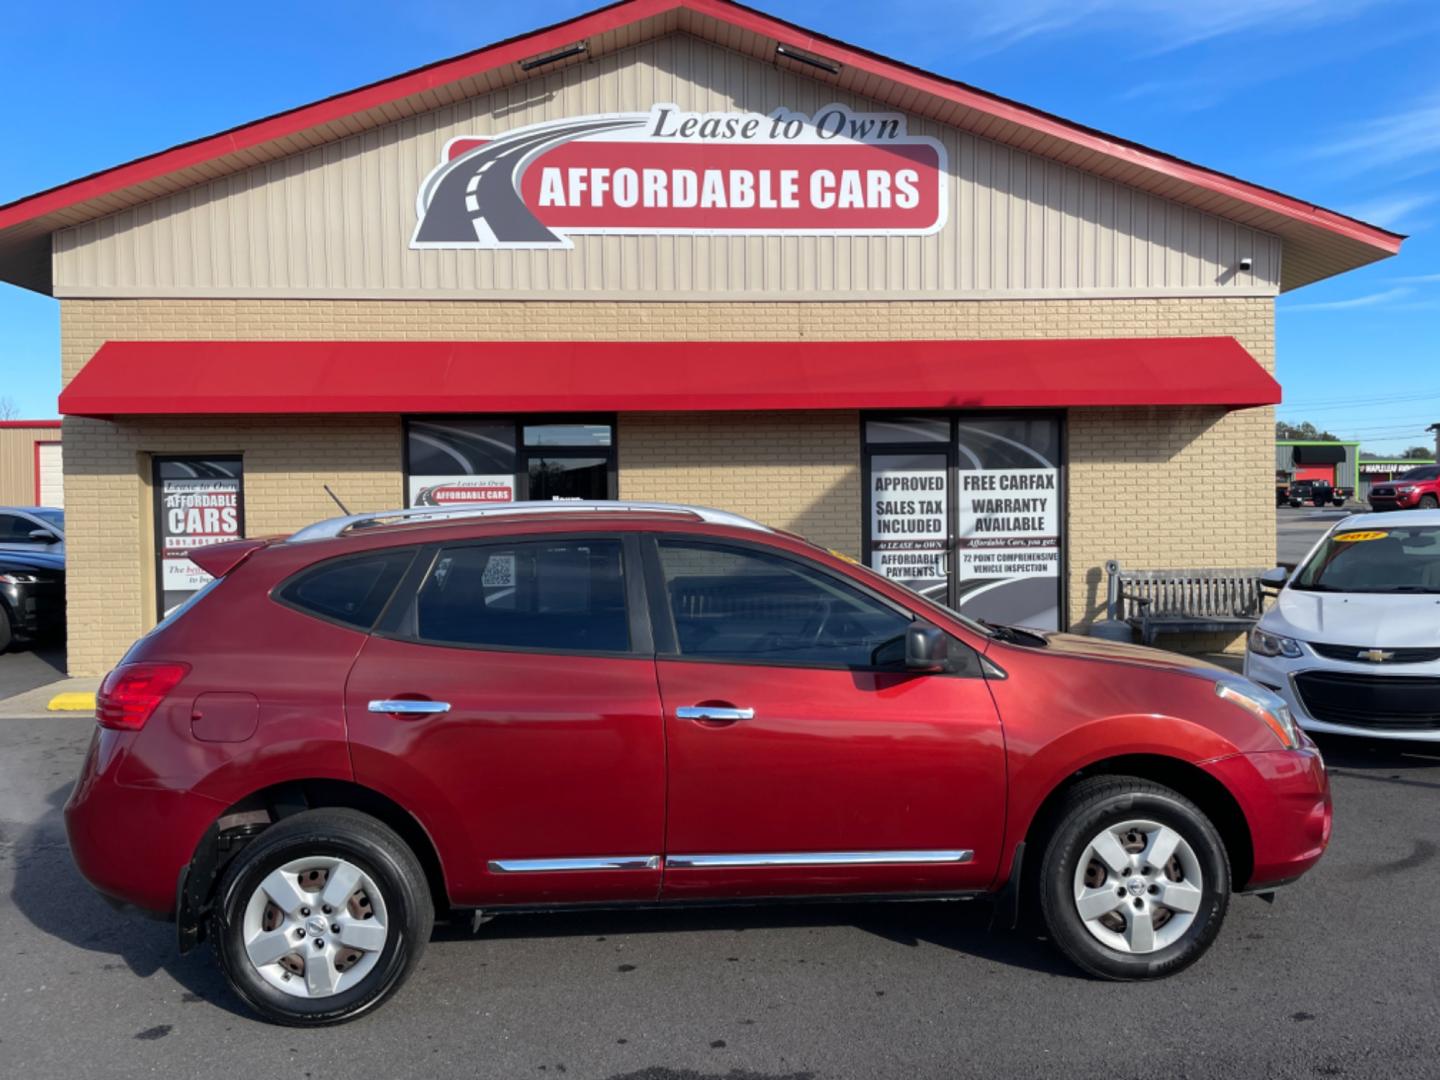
column 1014, row 635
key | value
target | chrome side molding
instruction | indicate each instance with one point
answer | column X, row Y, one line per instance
column 404, row 707
column 540, row 866
column 821, row 858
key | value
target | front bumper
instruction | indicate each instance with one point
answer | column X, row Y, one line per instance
column 1278, row 673
column 1285, row 796
column 130, row 841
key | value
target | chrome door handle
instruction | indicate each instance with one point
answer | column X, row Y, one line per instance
column 713, row 712
column 410, row 708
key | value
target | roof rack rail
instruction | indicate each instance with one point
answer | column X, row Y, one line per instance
column 337, row 526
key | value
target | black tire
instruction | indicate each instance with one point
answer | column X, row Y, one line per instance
column 376, row 850
column 1088, row 808
column 7, row 635
column 1428, row 502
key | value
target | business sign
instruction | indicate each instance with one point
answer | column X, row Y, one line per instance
column 450, row 490
column 197, row 504
column 671, row 171
column 909, row 512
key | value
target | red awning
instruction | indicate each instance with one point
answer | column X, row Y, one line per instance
column 161, row 378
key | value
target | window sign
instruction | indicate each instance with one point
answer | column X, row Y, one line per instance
column 197, row 502
column 909, row 535
column 965, row 508
column 1009, row 521
column 452, row 461
column 460, row 461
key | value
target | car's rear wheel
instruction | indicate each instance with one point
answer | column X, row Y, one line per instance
column 1135, row 880
column 321, row 917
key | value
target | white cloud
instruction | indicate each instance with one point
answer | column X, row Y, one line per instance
column 1408, row 136
column 1386, row 298
column 1172, row 24
column 1418, row 279
column 1391, row 210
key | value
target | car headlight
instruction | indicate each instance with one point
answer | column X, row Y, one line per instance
column 1405, row 490
column 18, row 579
column 1264, row 643
column 1269, row 708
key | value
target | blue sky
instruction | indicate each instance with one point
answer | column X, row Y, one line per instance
column 1335, row 101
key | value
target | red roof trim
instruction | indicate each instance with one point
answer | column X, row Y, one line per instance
column 129, row 378
column 29, row 423
column 629, row 11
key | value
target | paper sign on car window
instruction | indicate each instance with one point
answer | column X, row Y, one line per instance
column 1352, row 537
column 499, row 572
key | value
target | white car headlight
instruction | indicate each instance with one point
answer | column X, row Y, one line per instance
column 1264, row 643
column 1269, row 708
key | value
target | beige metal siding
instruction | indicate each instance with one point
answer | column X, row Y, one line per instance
column 17, row 462
column 50, row 474
column 335, row 220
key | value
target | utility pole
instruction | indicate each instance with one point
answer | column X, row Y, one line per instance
column 1435, row 428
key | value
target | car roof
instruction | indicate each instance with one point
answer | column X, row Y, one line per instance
column 591, row 514
column 1393, row 519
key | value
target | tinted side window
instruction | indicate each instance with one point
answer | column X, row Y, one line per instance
column 740, row 604
column 351, row 590
column 540, row 595
column 15, row 529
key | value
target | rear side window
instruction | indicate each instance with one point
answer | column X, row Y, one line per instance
column 538, row 596
column 352, row 590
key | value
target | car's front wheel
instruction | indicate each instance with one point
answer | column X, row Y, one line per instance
column 321, row 917
column 1135, row 880
column 1428, row 502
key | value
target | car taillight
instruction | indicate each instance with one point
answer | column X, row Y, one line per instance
column 132, row 692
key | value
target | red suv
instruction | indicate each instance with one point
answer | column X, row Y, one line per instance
column 1414, row 489
column 385, row 719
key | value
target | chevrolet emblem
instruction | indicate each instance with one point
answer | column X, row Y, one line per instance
column 1375, row 656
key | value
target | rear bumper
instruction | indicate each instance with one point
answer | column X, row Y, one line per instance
column 1285, row 796
column 132, row 842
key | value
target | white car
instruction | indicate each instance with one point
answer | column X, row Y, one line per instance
column 1352, row 643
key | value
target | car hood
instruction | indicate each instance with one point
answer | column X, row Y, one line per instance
column 1362, row 619
column 31, row 560
column 1099, row 649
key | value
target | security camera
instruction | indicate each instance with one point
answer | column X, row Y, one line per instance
column 1246, row 263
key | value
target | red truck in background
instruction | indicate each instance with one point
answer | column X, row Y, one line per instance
column 1417, row 488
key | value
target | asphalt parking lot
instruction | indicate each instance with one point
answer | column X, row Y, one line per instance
column 1297, row 528
column 1340, row 977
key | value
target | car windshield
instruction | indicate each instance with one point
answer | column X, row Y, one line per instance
column 1360, row 560
column 1427, row 473
column 54, row 518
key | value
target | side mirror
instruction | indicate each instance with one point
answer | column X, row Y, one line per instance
column 927, row 648
column 1276, row 578
column 43, row 536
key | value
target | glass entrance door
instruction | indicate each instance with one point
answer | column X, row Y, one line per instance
column 554, row 477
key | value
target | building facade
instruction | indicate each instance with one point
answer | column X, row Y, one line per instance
column 31, row 470
column 662, row 252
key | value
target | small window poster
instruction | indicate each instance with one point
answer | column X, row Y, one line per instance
column 197, row 504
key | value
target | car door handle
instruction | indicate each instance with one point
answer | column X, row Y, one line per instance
column 713, row 712
column 402, row 707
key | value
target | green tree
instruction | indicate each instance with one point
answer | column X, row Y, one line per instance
column 1306, row 431
column 1417, row 452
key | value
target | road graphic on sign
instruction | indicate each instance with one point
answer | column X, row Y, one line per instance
column 474, row 199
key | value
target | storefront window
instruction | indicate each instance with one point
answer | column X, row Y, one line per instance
column 198, row 501
column 453, row 460
column 974, row 522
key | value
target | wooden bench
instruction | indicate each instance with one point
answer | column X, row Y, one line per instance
column 1183, row 601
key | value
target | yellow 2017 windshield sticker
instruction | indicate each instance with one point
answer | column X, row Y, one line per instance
column 1352, row 537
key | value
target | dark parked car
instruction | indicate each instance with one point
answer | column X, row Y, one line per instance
column 387, row 719
column 32, row 596
column 1414, row 489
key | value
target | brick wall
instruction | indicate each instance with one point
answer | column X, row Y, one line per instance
column 796, row 470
